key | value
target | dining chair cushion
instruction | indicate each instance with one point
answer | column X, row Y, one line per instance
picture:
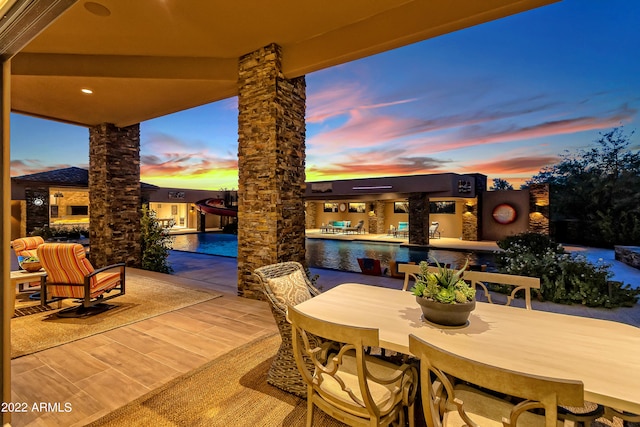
column 290, row 289
column 487, row 410
column 383, row 395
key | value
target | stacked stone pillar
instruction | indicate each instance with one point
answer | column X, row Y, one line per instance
column 418, row 219
column 470, row 220
column 311, row 210
column 376, row 217
column 539, row 208
column 271, row 160
column 37, row 212
column 114, row 195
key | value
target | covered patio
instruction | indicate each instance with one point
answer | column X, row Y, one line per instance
column 111, row 65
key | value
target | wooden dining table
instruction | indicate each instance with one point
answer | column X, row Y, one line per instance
column 604, row 355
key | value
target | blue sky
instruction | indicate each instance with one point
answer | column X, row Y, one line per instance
column 504, row 99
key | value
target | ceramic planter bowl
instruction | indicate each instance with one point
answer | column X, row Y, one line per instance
column 446, row 314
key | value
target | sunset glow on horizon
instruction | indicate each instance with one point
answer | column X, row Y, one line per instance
column 504, row 99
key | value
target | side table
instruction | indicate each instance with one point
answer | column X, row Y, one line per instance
column 20, row 277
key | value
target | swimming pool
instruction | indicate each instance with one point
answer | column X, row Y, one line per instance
column 335, row 254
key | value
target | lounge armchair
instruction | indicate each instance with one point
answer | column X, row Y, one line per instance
column 370, row 266
column 285, row 284
column 327, row 228
column 433, row 230
column 349, row 385
column 393, row 268
column 71, row 275
column 402, row 230
column 359, row 228
column 26, row 247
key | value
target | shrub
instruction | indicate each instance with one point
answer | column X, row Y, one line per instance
column 564, row 278
column 155, row 242
column 74, row 232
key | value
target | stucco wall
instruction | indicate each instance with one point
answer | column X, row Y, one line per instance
column 518, row 199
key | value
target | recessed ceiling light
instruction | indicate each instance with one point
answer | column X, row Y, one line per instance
column 97, row 9
column 87, row 91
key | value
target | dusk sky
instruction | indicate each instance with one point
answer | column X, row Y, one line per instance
column 503, row 99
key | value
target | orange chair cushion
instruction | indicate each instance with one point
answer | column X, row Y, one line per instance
column 67, row 263
column 27, row 246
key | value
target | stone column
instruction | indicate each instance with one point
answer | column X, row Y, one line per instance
column 271, row 159
column 539, row 208
column 201, row 222
column 380, row 217
column 114, row 195
column 418, row 219
column 311, row 210
column 470, row 220
column 376, row 217
column 37, row 207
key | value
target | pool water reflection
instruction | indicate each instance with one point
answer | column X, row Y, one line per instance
column 335, row 254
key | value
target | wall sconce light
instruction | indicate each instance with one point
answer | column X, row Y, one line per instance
column 469, row 208
column 192, row 208
column 372, row 209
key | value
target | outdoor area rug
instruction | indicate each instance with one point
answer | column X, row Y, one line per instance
column 31, row 309
column 144, row 298
column 231, row 390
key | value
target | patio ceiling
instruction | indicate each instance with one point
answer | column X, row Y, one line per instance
column 148, row 58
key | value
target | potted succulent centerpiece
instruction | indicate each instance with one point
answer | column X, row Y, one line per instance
column 444, row 297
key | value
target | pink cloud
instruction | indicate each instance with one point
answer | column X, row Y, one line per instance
column 31, row 166
column 512, row 165
column 165, row 155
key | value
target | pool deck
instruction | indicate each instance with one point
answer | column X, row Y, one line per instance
column 220, row 273
column 441, row 243
column 621, row 271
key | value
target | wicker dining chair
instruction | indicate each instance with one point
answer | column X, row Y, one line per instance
column 285, row 284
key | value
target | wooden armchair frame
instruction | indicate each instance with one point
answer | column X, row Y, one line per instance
column 479, row 279
column 345, row 382
column 447, row 395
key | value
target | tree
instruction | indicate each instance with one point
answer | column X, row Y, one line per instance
column 595, row 191
column 500, row 184
column 155, row 241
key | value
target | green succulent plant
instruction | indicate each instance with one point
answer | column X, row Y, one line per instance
column 445, row 286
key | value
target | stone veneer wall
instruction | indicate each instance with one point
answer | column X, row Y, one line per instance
column 37, row 214
column 539, row 208
column 271, row 160
column 418, row 219
column 114, row 195
column 470, row 221
column 377, row 220
column 311, row 214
